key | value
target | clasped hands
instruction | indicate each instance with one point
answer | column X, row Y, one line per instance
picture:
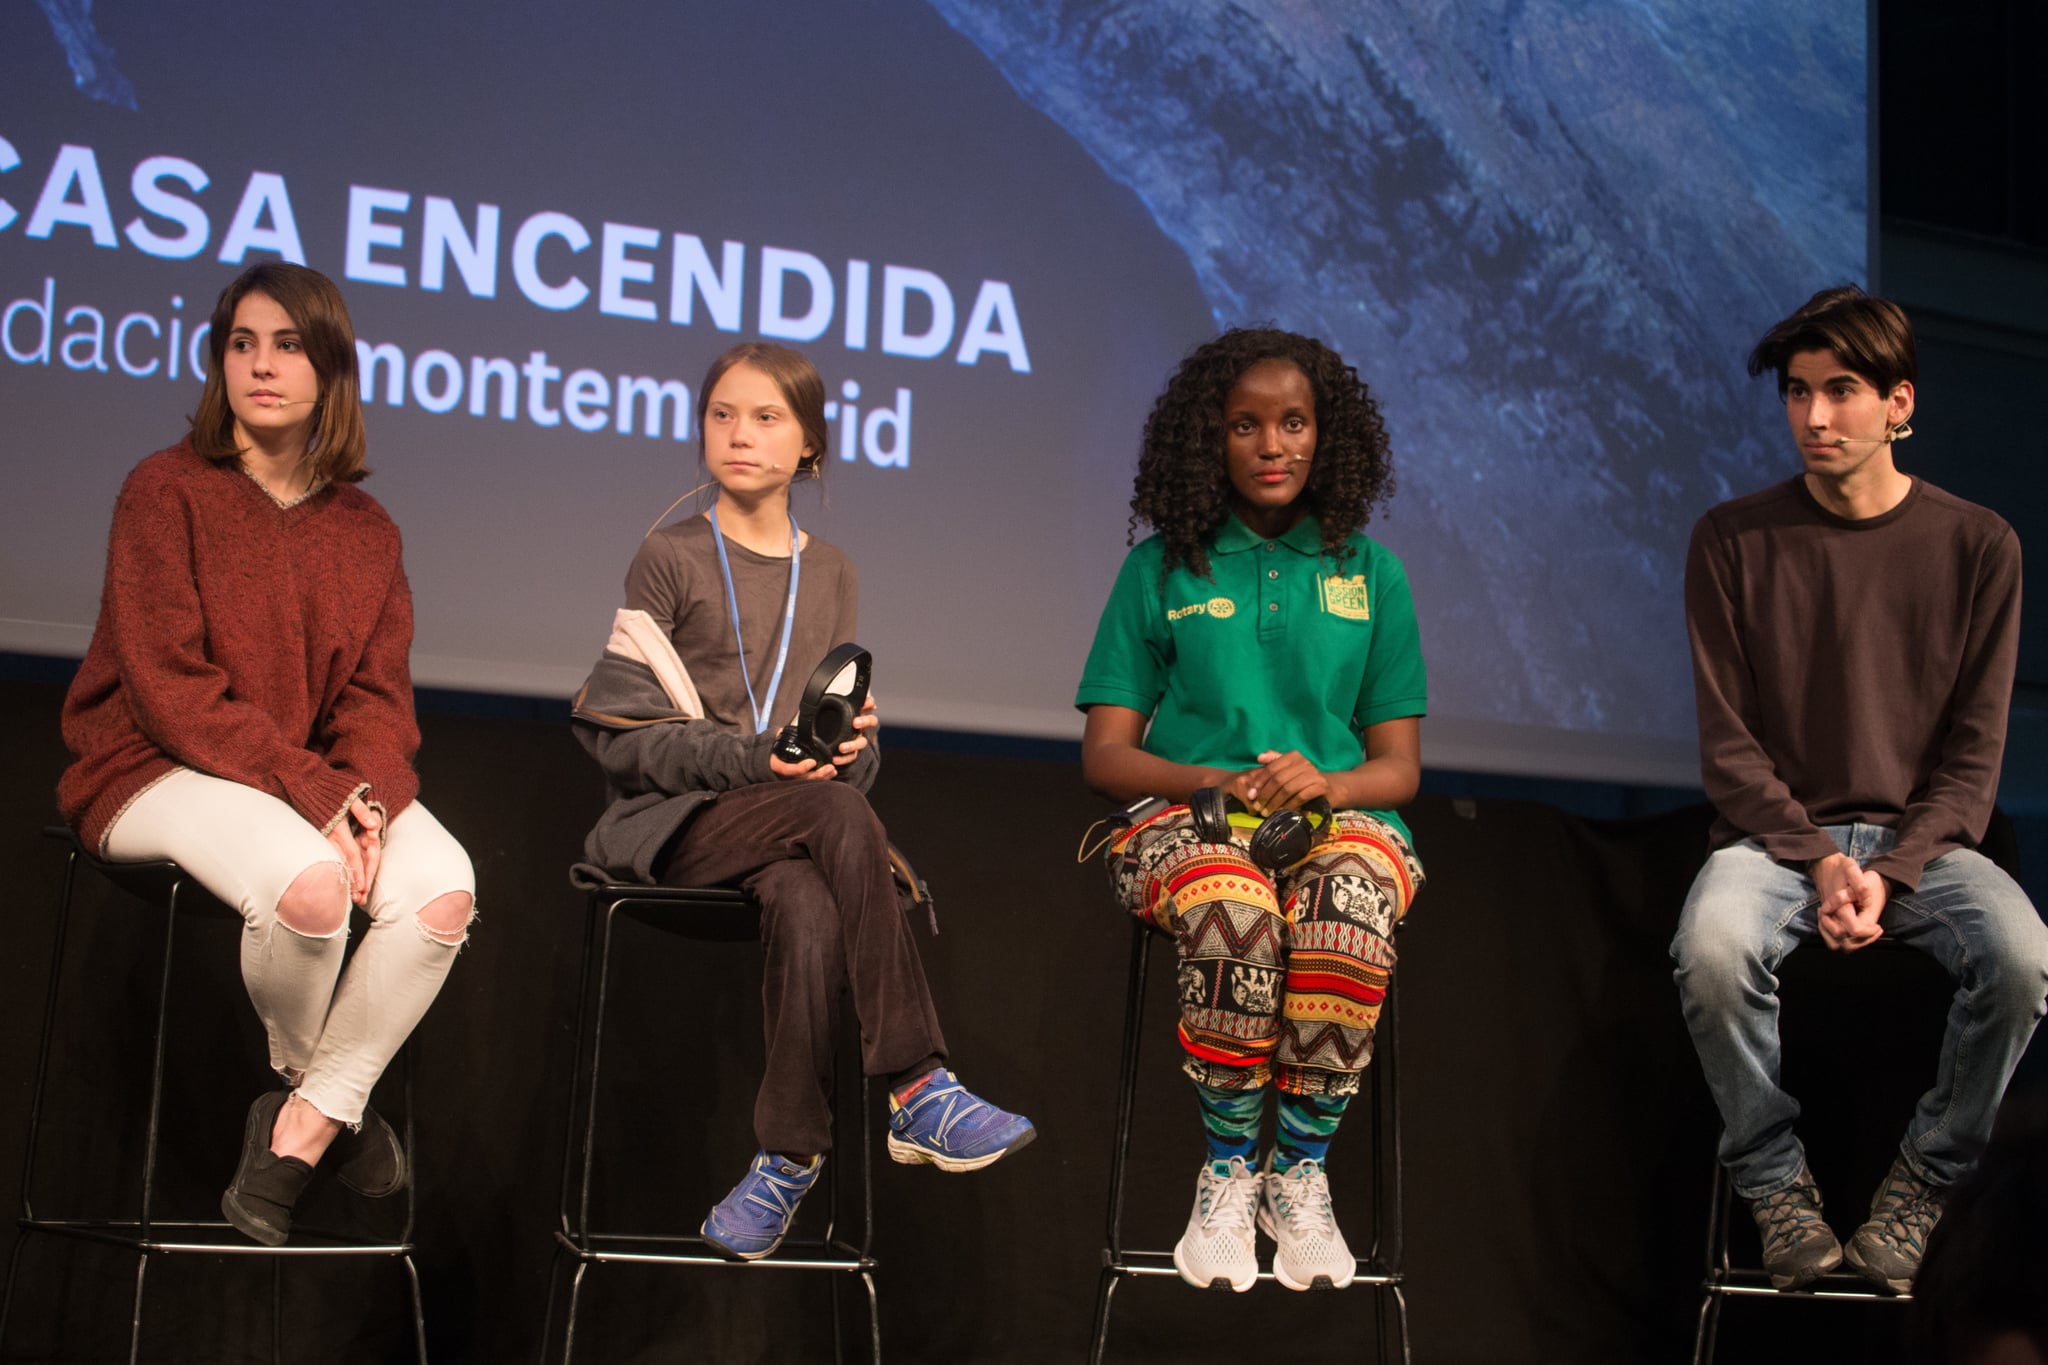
column 359, row 838
column 1851, row 899
column 1280, row 782
column 810, row 770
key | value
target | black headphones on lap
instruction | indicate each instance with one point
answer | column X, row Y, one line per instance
column 1277, row 841
column 838, row 688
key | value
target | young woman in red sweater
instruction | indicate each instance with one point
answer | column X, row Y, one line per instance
column 245, row 709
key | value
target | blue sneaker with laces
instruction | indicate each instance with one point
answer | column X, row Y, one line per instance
column 949, row 1126
column 751, row 1222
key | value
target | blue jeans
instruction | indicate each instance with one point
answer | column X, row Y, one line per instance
column 1746, row 912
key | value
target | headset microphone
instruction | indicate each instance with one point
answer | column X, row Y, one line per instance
column 1897, row 433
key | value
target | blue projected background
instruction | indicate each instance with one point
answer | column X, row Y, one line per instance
column 1546, row 233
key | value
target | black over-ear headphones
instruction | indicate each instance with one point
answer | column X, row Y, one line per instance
column 832, row 698
column 1280, row 840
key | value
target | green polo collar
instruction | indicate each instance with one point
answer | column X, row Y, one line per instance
column 1306, row 536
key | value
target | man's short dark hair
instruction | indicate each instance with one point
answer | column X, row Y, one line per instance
column 1870, row 336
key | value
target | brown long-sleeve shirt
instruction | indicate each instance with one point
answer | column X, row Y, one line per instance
column 675, row 578
column 1852, row 671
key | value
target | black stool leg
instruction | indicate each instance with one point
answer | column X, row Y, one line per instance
column 156, row 1108
column 832, row 1194
column 412, row 1274
column 1126, row 1104
column 575, row 1301
column 547, row 1318
column 7, row 1301
column 601, row 983
column 419, row 1310
column 135, row 1321
column 1711, row 1298
column 1391, row 1256
column 35, row 1103
column 570, row 1225
column 867, row 1217
column 156, row 1075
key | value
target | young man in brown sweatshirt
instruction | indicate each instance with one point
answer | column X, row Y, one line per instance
column 1854, row 632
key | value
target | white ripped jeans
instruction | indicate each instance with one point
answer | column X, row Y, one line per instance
column 331, row 1030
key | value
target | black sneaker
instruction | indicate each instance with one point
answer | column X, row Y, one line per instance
column 1799, row 1246
column 368, row 1158
column 266, row 1186
column 1887, row 1249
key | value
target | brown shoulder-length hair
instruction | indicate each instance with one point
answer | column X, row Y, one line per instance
column 1872, row 337
column 801, row 387
column 337, row 444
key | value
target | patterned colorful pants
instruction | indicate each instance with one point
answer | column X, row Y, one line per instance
column 1282, row 976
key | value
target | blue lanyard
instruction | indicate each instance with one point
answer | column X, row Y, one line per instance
column 760, row 709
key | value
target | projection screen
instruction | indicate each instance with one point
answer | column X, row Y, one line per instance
column 1546, row 233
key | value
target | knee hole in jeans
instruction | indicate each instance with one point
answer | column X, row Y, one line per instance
column 445, row 919
column 315, row 905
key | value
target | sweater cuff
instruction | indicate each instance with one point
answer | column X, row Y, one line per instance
column 1903, row 866
column 392, row 787
column 322, row 796
column 757, row 753
column 1799, row 849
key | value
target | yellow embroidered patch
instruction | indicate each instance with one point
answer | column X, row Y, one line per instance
column 1222, row 608
column 1344, row 597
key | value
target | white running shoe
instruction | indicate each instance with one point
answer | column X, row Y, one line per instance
column 1220, row 1250
column 1294, row 1210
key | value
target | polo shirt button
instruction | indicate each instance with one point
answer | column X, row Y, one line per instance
column 1270, row 547
column 1272, row 606
column 1272, row 573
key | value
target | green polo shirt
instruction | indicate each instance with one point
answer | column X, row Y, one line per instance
column 1280, row 651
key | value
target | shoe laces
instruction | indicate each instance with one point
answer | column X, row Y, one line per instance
column 955, row 1105
column 1906, row 1208
column 1788, row 1215
column 1303, row 1198
column 776, row 1192
column 1226, row 1207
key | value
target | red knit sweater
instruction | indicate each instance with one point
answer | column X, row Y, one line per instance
column 261, row 644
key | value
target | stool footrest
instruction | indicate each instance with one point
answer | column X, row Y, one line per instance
column 1161, row 1263
column 1836, row 1285
column 209, row 1237
column 662, row 1249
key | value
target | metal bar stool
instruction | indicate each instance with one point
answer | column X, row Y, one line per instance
column 695, row 912
column 1724, row 1279
column 1379, row 1268
column 168, row 885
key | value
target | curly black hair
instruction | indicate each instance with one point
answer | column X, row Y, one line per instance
column 1183, row 485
